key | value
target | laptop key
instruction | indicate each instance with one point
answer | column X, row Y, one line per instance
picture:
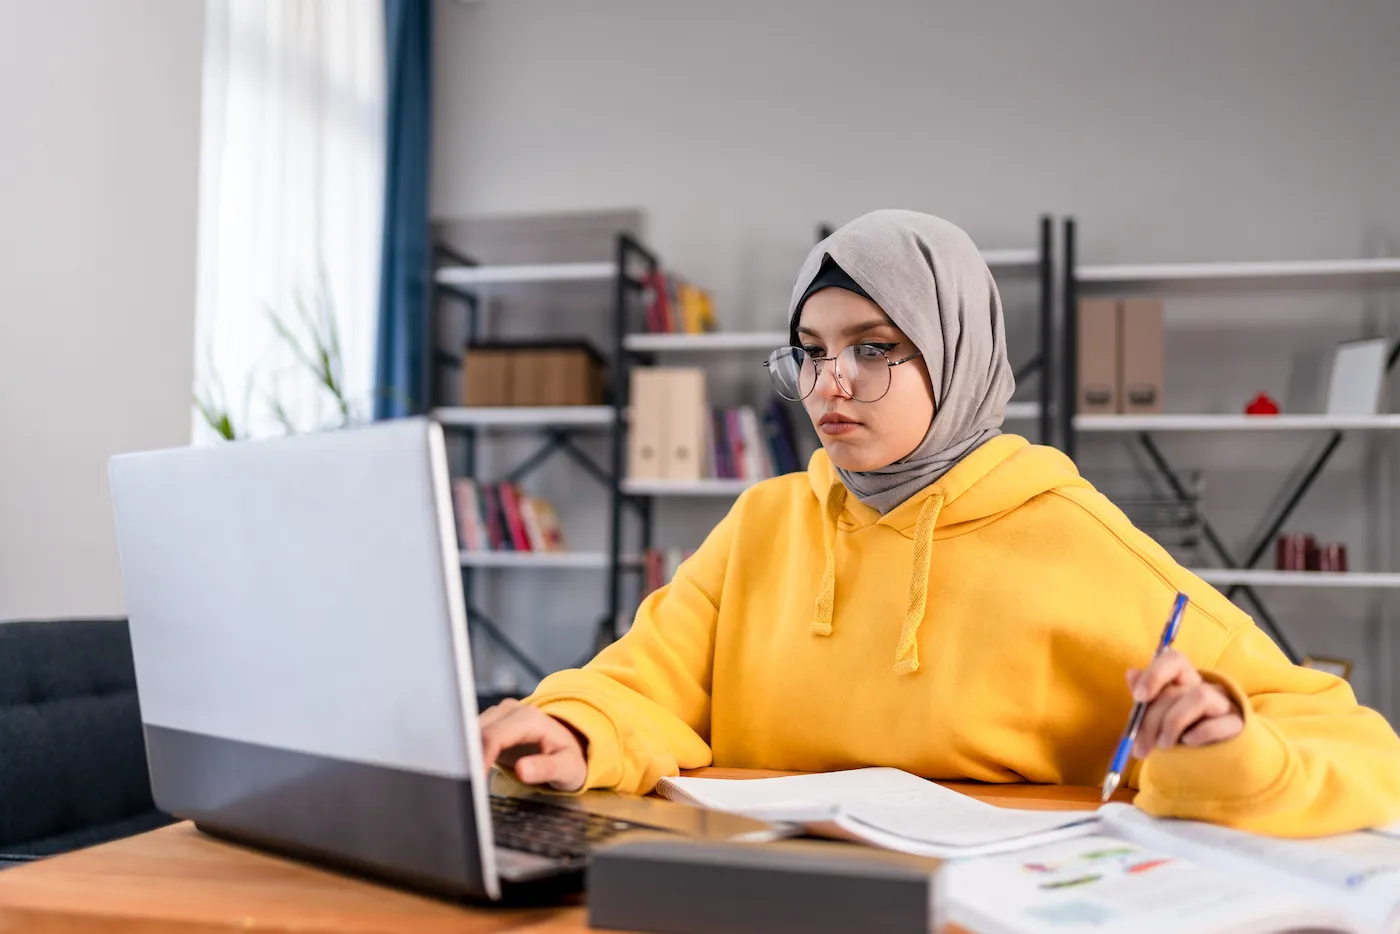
column 551, row 832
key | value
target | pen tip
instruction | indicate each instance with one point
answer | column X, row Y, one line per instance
column 1110, row 785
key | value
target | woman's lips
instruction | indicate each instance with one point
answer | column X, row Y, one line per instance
column 834, row 423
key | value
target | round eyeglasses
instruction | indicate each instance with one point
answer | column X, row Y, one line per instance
column 862, row 371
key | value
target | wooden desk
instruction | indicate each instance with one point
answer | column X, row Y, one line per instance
column 176, row 880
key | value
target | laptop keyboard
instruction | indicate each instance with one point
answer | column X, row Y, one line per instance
column 553, row 832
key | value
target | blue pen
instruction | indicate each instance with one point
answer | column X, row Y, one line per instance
column 1125, row 745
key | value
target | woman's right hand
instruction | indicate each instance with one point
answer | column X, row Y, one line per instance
column 538, row 748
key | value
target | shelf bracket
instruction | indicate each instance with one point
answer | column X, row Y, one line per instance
column 1266, row 619
column 478, row 621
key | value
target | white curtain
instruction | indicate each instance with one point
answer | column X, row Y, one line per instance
column 291, row 209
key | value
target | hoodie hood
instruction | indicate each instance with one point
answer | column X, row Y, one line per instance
column 997, row 478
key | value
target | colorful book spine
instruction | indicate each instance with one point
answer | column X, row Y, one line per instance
column 501, row 517
column 529, row 516
column 495, row 519
column 734, row 434
column 548, row 519
column 756, row 465
column 515, row 524
column 464, row 499
column 777, row 430
column 659, row 566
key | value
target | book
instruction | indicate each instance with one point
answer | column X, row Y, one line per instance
column 734, row 437
column 757, row 465
column 659, row 567
column 1112, row 871
column 464, row 499
column 1107, row 886
column 530, row 516
column 515, row 525
column 1348, row 882
column 501, row 517
column 674, row 306
column 884, row 807
column 548, row 521
column 497, row 533
column 777, row 431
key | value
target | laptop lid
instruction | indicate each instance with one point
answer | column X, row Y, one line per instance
column 301, row 649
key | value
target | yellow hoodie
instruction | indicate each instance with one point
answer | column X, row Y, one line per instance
column 980, row 630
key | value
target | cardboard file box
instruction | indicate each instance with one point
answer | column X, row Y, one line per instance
column 533, row 374
column 1142, row 359
column 1097, row 390
column 669, row 429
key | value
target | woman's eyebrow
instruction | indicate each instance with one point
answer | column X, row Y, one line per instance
column 860, row 327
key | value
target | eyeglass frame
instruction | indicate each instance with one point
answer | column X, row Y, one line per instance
column 836, row 371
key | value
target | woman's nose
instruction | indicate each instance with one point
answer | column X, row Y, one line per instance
column 828, row 386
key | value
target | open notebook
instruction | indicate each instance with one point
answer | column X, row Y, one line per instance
column 883, row 807
column 1140, row 875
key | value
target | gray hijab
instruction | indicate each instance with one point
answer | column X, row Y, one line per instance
column 927, row 275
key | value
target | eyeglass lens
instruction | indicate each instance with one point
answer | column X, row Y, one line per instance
column 862, row 372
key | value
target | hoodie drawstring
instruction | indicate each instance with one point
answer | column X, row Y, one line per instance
column 906, row 656
column 826, row 595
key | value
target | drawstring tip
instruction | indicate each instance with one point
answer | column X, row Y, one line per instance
column 821, row 627
column 906, row 666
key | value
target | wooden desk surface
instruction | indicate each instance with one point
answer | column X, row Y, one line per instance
column 176, row 880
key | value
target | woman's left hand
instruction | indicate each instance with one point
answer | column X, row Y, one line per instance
column 1182, row 708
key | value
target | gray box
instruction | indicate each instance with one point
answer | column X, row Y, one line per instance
column 666, row 884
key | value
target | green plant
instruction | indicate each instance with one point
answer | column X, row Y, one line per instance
column 213, row 407
column 312, row 338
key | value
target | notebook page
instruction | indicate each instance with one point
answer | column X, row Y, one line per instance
column 883, row 806
column 1108, row 886
column 1358, row 873
column 1028, row 833
column 932, row 814
column 823, row 791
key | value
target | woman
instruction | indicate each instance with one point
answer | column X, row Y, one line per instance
column 939, row 597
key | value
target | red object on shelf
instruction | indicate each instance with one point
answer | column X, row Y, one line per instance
column 1296, row 551
column 1332, row 557
column 1261, row 404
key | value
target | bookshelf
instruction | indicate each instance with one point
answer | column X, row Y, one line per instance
column 543, row 560
column 717, row 487
column 1241, row 577
column 461, row 285
column 1359, row 580
column 1132, row 424
column 469, row 275
column 1292, row 273
column 525, row 418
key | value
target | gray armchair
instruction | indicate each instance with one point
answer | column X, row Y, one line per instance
column 72, row 754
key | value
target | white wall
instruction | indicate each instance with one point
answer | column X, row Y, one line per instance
column 1190, row 130
column 98, row 183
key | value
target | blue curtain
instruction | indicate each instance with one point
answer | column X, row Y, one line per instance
column 402, row 369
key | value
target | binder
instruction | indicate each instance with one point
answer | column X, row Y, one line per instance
column 1097, row 390
column 646, row 434
column 686, row 423
column 1142, row 359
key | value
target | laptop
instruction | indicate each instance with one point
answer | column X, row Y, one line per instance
column 305, row 675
